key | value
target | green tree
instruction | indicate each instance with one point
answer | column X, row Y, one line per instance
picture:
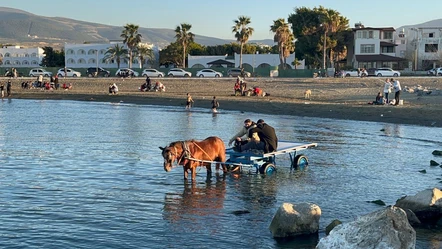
column 52, row 58
column 184, row 37
column 242, row 33
column 171, row 54
column 282, row 32
column 116, row 53
column 144, row 54
column 131, row 39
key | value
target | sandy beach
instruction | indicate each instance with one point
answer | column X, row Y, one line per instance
column 337, row 98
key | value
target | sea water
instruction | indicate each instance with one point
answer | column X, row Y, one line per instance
column 90, row 175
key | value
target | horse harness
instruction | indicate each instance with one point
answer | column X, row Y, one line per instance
column 186, row 154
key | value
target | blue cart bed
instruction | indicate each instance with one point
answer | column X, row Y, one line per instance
column 264, row 163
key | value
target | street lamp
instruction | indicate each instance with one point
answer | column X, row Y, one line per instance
column 96, row 61
column 416, row 39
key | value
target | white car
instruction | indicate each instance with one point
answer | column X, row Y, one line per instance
column 435, row 71
column 178, row 72
column 151, row 72
column 208, row 73
column 387, row 72
column 126, row 72
column 69, row 73
column 39, row 71
column 354, row 73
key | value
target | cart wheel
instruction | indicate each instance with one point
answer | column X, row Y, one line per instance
column 267, row 169
column 301, row 162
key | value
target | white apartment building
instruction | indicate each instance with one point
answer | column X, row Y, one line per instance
column 94, row 55
column 424, row 47
column 18, row 57
column 374, row 48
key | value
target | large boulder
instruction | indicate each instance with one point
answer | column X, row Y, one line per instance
column 295, row 219
column 437, row 152
column 426, row 205
column 386, row 228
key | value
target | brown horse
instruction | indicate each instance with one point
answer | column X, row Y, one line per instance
column 190, row 153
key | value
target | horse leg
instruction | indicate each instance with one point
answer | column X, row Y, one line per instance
column 193, row 171
column 209, row 170
column 186, row 167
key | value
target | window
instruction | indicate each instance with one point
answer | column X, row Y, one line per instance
column 431, row 35
column 388, row 35
column 431, row 48
column 387, row 50
column 370, row 34
column 367, row 48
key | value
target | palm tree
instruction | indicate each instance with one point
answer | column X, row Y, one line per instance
column 330, row 23
column 282, row 34
column 116, row 53
column 289, row 47
column 184, row 37
column 131, row 39
column 242, row 33
column 144, row 53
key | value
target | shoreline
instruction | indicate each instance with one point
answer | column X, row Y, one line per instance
column 331, row 98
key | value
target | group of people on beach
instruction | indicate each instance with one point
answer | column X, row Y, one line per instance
column 147, row 86
column 189, row 103
column 255, row 136
column 8, row 89
column 389, row 86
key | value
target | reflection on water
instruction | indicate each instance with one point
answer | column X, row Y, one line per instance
column 90, row 175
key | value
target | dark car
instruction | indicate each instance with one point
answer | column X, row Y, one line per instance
column 92, row 72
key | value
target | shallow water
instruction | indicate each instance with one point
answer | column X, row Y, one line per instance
column 90, row 175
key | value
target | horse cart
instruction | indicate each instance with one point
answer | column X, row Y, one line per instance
column 265, row 163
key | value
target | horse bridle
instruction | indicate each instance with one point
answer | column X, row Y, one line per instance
column 184, row 154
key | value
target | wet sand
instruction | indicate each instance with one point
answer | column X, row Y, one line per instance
column 331, row 98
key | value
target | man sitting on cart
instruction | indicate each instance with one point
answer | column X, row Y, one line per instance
column 268, row 141
column 242, row 137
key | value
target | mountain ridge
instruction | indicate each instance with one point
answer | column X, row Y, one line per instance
column 18, row 26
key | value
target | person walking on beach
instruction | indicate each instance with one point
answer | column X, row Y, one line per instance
column 189, row 101
column 8, row 88
column 215, row 104
column 387, row 89
column 2, row 90
column 397, row 90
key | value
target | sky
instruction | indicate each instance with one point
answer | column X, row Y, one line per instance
column 216, row 18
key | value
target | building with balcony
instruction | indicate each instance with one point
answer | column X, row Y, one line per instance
column 374, row 48
column 19, row 57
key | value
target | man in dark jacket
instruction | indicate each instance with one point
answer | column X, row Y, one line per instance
column 268, row 141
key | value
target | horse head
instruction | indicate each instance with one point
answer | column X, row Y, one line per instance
column 171, row 153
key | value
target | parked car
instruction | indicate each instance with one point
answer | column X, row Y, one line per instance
column 435, row 71
column 92, row 72
column 151, row 72
column 388, row 72
column 39, row 71
column 234, row 72
column 354, row 73
column 126, row 72
column 208, row 73
column 69, row 73
column 178, row 72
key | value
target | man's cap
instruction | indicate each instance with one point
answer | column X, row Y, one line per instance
column 247, row 121
column 260, row 121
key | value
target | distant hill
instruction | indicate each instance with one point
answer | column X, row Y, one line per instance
column 21, row 27
column 430, row 24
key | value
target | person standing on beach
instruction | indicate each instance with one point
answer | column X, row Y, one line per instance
column 397, row 90
column 8, row 88
column 2, row 90
column 215, row 104
column 189, row 101
column 387, row 89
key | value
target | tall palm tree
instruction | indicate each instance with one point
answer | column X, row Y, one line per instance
column 330, row 22
column 289, row 47
column 242, row 33
column 131, row 39
column 144, row 53
column 116, row 53
column 282, row 33
column 184, row 37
